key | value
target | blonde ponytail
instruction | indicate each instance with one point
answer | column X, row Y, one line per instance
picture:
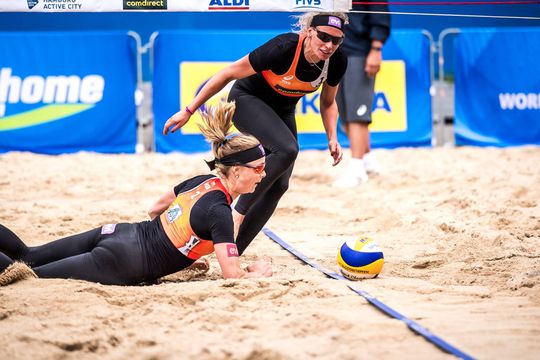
column 216, row 127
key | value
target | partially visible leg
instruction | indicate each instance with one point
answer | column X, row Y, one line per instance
column 96, row 266
column 261, row 211
column 117, row 259
column 15, row 248
column 355, row 105
column 276, row 132
column 355, row 172
column 359, row 138
column 5, row 261
column 11, row 244
column 62, row 248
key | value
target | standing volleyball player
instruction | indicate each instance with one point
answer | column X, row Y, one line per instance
column 271, row 81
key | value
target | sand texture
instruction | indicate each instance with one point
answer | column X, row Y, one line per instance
column 459, row 227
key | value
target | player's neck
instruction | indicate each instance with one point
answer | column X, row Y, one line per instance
column 311, row 58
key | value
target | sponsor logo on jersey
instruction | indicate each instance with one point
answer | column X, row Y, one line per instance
column 108, row 229
column 173, row 213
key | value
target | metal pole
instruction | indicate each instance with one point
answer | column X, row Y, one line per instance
column 440, row 48
column 432, row 87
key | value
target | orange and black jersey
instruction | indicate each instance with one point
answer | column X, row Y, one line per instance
column 210, row 220
column 277, row 55
column 199, row 217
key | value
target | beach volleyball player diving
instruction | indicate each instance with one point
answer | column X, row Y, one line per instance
column 192, row 220
column 270, row 81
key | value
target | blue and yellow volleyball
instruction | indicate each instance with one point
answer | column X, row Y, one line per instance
column 360, row 258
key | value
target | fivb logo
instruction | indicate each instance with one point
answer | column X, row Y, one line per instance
column 32, row 3
column 228, row 5
column 62, row 95
column 519, row 101
column 308, row 4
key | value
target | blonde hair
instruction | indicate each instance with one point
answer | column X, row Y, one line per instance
column 303, row 21
column 216, row 126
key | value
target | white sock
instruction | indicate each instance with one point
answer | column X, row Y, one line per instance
column 370, row 163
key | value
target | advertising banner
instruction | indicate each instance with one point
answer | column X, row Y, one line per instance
column 171, row 49
column 172, row 5
column 402, row 103
column 67, row 92
column 497, row 96
column 182, row 67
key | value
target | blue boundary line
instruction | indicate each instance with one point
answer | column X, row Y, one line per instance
column 414, row 326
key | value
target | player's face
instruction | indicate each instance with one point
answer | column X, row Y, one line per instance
column 325, row 40
column 250, row 175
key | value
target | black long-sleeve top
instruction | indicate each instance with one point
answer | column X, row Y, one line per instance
column 363, row 28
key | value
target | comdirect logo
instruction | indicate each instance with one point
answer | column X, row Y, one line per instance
column 308, row 4
column 228, row 5
column 32, row 3
column 61, row 96
column 145, row 4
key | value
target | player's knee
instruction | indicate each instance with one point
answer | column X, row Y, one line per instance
column 280, row 187
column 289, row 154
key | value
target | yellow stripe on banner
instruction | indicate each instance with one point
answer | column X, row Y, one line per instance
column 193, row 75
column 389, row 111
column 41, row 115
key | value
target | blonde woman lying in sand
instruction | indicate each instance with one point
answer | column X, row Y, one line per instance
column 192, row 220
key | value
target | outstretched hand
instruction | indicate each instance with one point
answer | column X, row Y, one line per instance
column 260, row 267
column 176, row 121
column 335, row 151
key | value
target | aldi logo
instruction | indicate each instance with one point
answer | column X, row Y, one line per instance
column 145, row 4
column 228, row 5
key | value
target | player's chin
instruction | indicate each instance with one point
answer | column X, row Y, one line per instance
column 325, row 54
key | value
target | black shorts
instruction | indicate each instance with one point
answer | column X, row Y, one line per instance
column 355, row 93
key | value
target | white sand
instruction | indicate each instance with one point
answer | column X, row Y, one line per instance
column 459, row 227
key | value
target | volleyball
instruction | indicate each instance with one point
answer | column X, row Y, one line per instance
column 360, row 258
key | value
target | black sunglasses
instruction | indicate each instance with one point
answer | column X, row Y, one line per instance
column 326, row 37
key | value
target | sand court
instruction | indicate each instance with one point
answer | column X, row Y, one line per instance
column 459, row 228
